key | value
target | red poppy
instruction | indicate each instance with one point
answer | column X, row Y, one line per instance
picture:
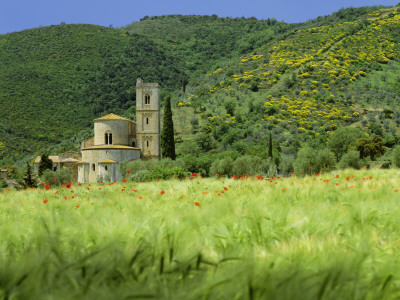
column 162, row 192
column 45, row 201
column 79, row 183
column 125, row 180
column 54, row 179
column 225, row 188
column 128, row 172
column 77, row 206
column 310, row 168
column 197, row 204
column 195, row 175
column 217, row 175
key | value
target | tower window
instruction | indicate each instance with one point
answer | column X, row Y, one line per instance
column 105, row 168
column 147, row 143
column 93, row 167
column 146, row 99
column 147, row 121
column 108, row 138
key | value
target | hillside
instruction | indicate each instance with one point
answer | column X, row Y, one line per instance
column 55, row 80
column 233, row 78
column 306, row 86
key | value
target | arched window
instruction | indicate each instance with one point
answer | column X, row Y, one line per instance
column 108, row 138
column 146, row 99
column 147, row 144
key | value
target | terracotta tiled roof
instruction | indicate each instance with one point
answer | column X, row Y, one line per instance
column 111, row 147
column 54, row 158
column 107, row 161
column 111, row 117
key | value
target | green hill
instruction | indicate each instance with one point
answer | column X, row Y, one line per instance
column 306, row 86
column 233, row 78
column 55, row 80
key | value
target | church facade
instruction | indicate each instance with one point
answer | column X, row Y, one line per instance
column 117, row 139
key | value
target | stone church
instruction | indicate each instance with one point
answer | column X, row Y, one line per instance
column 117, row 139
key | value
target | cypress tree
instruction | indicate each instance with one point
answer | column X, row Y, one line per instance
column 29, row 179
column 45, row 164
column 270, row 145
column 167, row 133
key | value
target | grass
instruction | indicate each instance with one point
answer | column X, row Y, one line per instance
column 317, row 237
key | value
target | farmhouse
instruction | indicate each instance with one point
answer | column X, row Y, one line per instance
column 117, row 139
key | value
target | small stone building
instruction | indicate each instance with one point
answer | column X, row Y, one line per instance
column 64, row 160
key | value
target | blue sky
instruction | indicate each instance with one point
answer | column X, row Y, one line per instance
column 17, row 15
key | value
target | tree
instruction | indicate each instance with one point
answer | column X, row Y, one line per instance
column 342, row 139
column 270, row 145
column 370, row 147
column 167, row 133
column 45, row 164
column 29, row 181
column 396, row 156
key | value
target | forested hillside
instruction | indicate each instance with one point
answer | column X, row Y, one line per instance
column 55, row 80
column 233, row 80
column 304, row 87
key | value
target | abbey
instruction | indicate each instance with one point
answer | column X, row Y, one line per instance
column 117, row 139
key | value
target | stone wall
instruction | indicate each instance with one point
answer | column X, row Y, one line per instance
column 97, row 169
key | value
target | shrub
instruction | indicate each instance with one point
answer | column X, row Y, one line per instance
column 55, row 178
column 267, row 167
column 286, row 165
column 200, row 164
column 351, row 160
column 138, row 176
column 342, row 139
column 396, row 156
column 305, row 161
column 139, row 170
column 160, row 172
column 325, row 161
column 3, row 184
column 222, row 167
column 129, row 169
column 246, row 165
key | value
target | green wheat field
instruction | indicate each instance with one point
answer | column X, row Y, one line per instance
column 332, row 236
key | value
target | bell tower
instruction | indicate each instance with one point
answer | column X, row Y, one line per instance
column 148, row 119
